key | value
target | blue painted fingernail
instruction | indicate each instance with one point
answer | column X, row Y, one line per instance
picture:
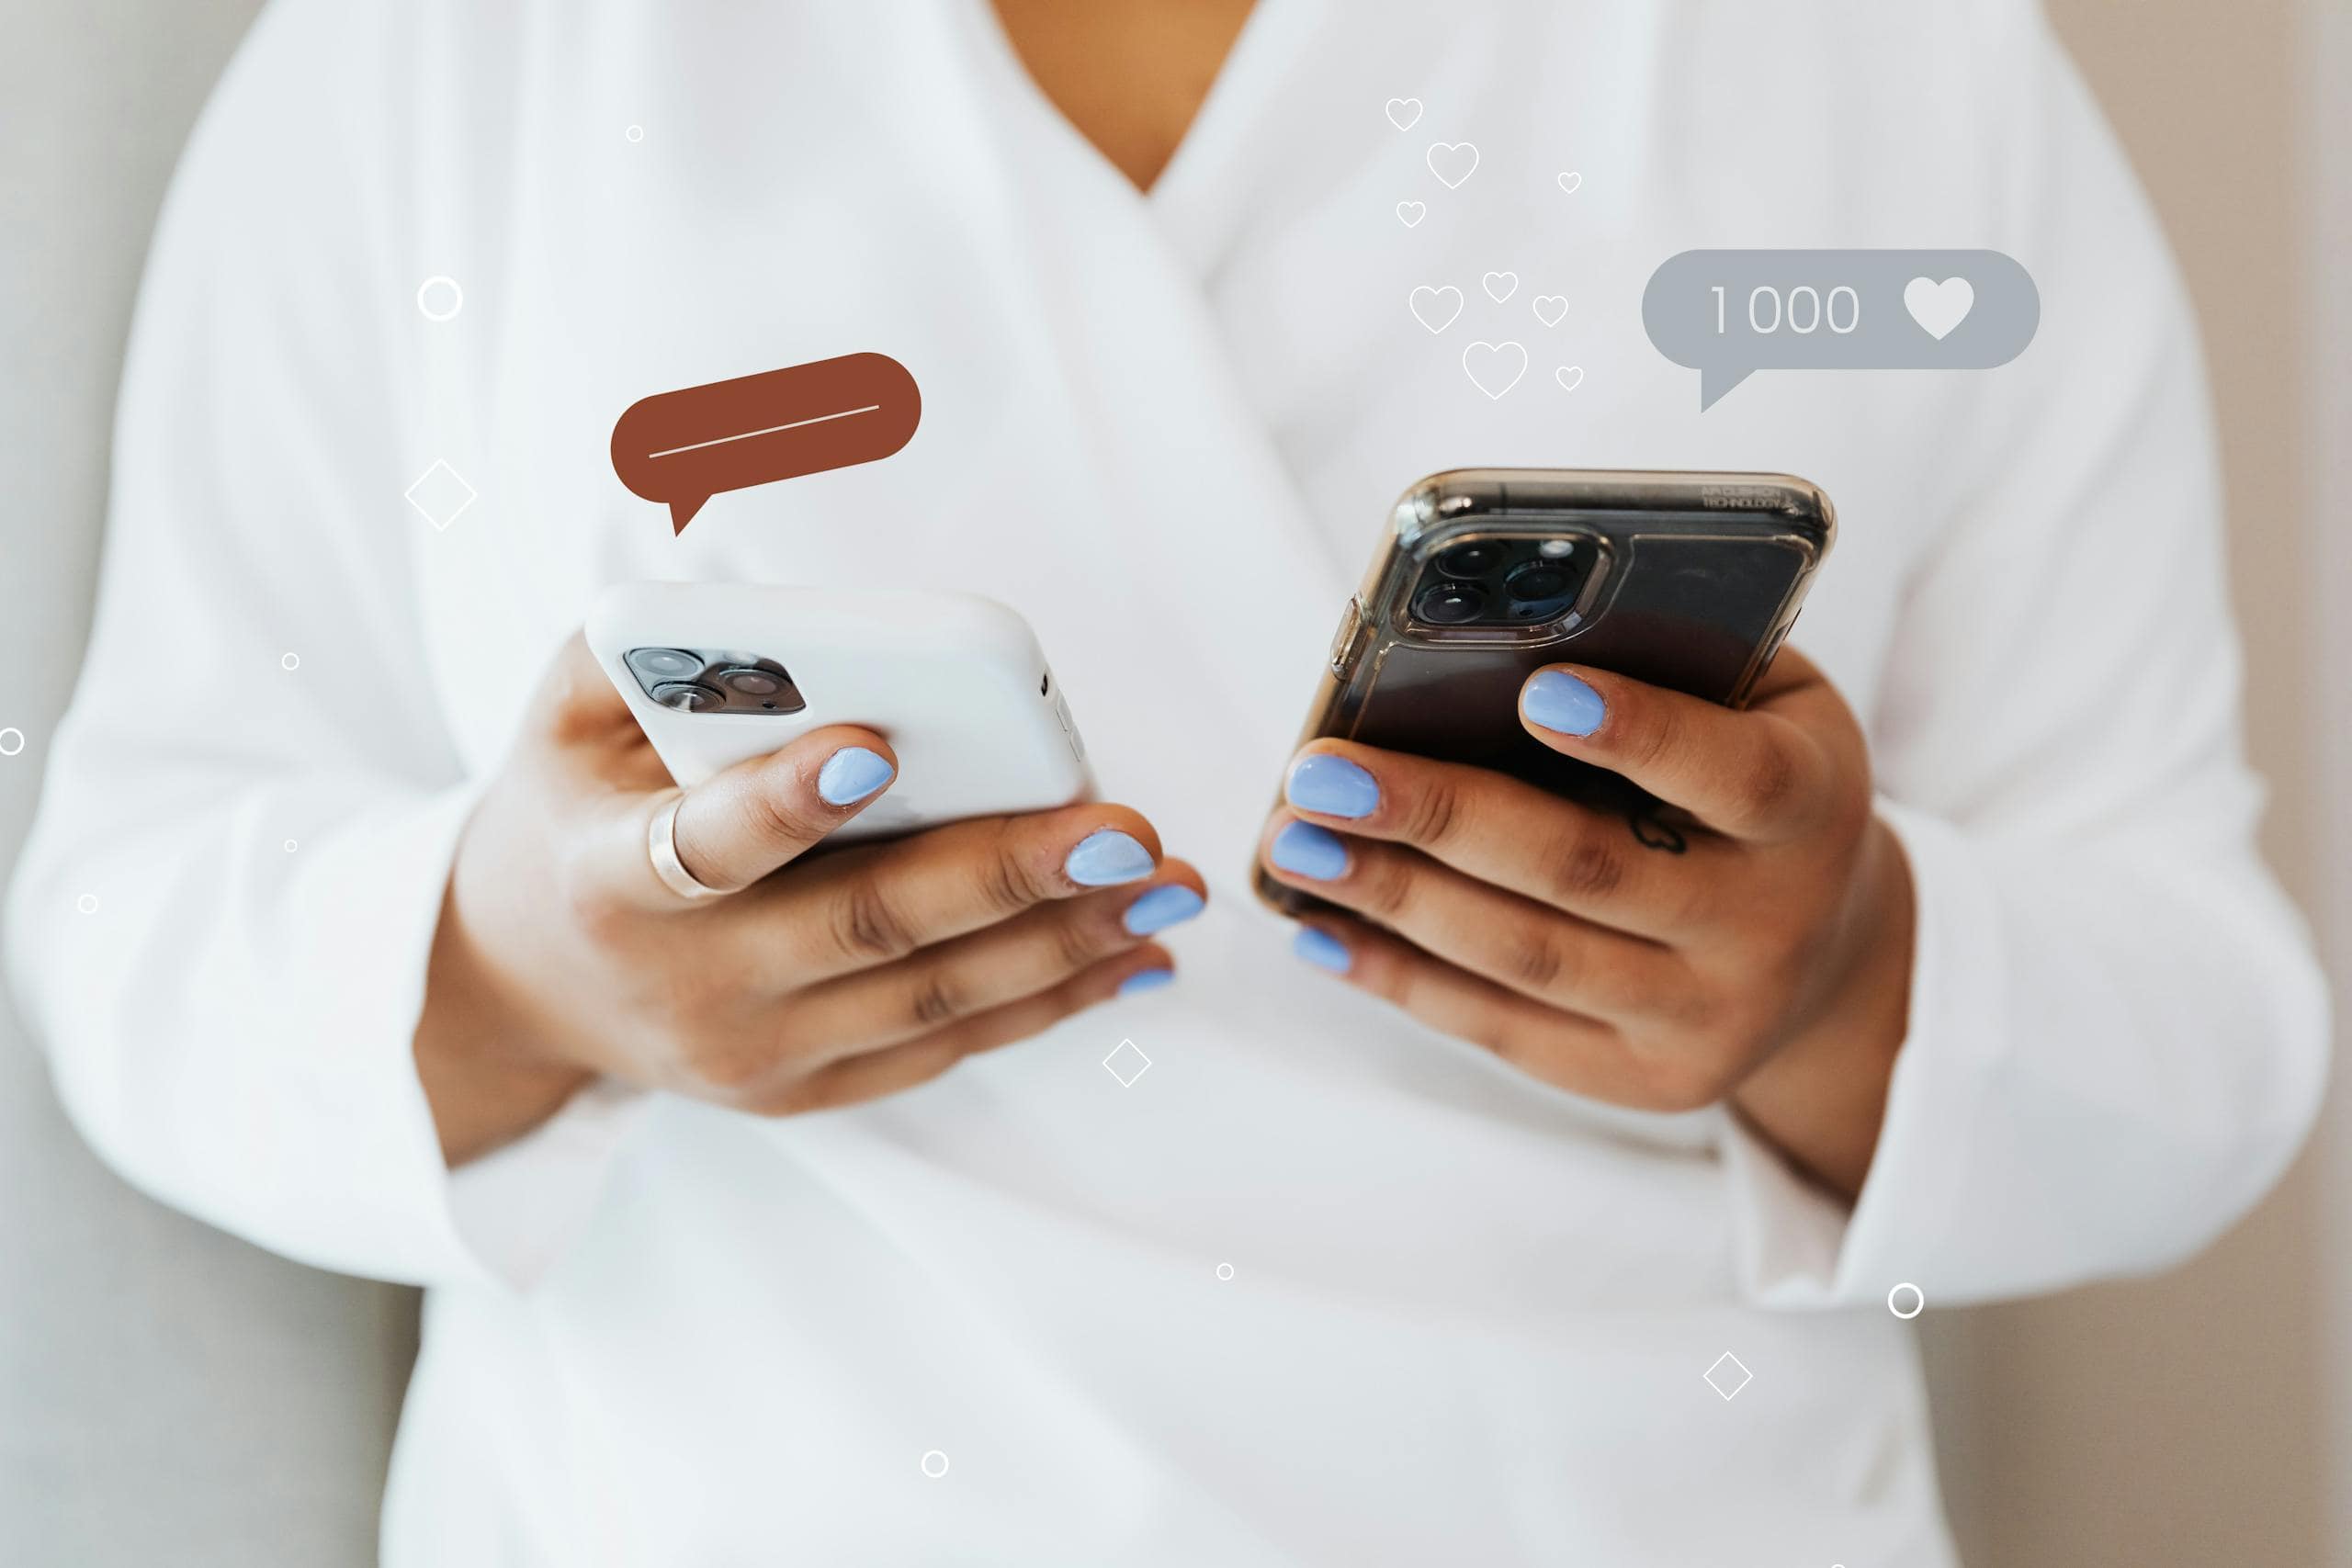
column 1107, row 857
column 1558, row 700
column 1321, row 948
column 1145, row 980
column 1309, row 850
column 1160, row 909
column 1332, row 785
column 851, row 774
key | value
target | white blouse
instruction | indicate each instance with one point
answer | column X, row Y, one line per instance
column 1320, row 1286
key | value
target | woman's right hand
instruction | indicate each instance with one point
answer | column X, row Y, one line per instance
column 818, row 981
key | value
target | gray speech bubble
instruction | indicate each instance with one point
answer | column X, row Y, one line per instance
column 1727, row 314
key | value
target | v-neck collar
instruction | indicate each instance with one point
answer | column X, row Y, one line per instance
column 1197, row 192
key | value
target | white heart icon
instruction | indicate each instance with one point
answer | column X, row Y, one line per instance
column 1400, row 118
column 1409, row 213
column 1450, row 297
column 1457, row 155
column 1551, row 308
column 1508, row 282
column 1487, row 363
column 1569, row 376
column 1570, row 181
column 1939, row 306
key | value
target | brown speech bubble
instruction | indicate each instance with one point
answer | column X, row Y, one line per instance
column 681, row 448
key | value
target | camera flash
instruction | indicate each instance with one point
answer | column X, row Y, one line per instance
column 1553, row 549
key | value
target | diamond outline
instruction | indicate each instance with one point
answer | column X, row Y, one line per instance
column 1745, row 1377
column 440, row 525
column 1126, row 1045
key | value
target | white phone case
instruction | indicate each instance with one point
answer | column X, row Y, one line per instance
column 955, row 682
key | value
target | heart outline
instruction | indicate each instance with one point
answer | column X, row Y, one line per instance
column 1488, row 283
column 1420, row 210
column 1559, row 312
column 1430, row 159
column 1413, row 303
column 1478, row 381
column 1569, row 376
column 1571, row 180
column 1394, row 104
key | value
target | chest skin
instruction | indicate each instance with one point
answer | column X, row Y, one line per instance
column 1129, row 75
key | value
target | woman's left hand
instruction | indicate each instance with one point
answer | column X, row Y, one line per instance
column 1750, row 944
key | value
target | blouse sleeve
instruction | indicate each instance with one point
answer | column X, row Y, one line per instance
column 2118, row 1033
column 222, row 922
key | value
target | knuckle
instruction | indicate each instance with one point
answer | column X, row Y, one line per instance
column 1535, row 960
column 1386, row 886
column 1433, row 812
column 936, row 996
column 867, row 926
column 1077, row 943
column 1006, row 881
column 769, row 818
column 1774, row 780
column 1649, row 738
column 1583, row 868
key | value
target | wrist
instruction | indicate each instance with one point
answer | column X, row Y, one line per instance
column 487, row 1070
column 1821, row 1098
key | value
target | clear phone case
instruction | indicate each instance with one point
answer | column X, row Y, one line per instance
column 1689, row 581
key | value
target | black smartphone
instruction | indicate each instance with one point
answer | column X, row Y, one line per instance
column 1689, row 581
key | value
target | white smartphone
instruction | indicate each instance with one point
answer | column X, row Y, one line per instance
column 716, row 672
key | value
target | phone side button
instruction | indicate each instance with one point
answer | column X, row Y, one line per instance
column 1344, row 640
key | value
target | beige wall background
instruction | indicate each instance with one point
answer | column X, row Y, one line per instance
column 2204, row 1417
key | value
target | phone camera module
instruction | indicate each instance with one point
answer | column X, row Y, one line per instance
column 663, row 663
column 746, row 681
column 1470, row 560
column 1449, row 604
column 688, row 696
column 1535, row 580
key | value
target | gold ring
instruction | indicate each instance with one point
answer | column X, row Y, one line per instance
column 662, row 848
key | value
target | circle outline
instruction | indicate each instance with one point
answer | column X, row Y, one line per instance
column 1906, row 1316
column 926, row 1462
column 455, row 287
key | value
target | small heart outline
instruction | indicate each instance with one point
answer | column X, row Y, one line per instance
column 1419, row 209
column 1570, row 181
column 1413, row 303
column 1396, row 103
column 1569, row 376
column 1494, row 348
column 1451, row 148
column 1510, row 286
column 1559, row 309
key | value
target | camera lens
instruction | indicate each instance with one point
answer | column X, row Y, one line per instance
column 746, row 682
column 663, row 663
column 1469, row 560
column 1537, row 580
column 688, row 696
column 1449, row 604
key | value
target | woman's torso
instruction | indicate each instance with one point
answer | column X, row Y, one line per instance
column 1466, row 1318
